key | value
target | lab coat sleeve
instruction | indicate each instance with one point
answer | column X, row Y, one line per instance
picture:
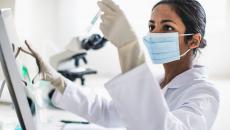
column 142, row 106
column 87, row 104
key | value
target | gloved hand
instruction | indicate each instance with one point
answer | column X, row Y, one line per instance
column 46, row 71
column 118, row 31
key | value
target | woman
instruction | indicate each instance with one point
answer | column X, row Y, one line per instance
column 183, row 99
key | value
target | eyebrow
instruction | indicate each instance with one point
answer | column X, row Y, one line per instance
column 163, row 21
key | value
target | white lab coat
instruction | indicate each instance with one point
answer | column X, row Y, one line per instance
column 188, row 102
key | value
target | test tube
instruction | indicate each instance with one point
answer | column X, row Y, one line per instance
column 93, row 21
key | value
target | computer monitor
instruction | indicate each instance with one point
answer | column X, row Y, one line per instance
column 11, row 73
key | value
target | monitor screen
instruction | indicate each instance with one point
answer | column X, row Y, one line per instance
column 8, row 48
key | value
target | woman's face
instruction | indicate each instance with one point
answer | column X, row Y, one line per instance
column 165, row 20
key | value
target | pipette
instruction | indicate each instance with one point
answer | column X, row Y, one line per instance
column 93, row 21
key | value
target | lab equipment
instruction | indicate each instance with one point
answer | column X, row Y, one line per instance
column 37, row 95
column 18, row 127
column 78, row 72
column 77, row 122
column 28, row 87
column 25, row 73
column 4, row 93
column 42, row 103
column 7, row 124
column 76, row 50
column 164, row 47
column 95, row 42
column 11, row 73
column 117, row 29
column 92, row 22
column 2, row 87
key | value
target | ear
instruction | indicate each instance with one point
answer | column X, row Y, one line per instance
column 195, row 41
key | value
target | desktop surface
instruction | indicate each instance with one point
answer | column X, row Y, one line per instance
column 52, row 122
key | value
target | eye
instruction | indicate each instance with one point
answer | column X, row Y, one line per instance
column 151, row 28
column 168, row 28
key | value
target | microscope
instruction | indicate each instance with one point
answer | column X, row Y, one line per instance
column 77, row 51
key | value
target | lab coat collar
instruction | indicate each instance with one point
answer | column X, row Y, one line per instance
column 197, row 72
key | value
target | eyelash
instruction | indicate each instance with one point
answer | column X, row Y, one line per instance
column 151, row 28
column 165, row 28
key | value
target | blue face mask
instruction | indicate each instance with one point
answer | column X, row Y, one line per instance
column 164, row 47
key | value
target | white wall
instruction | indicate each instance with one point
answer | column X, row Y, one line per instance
column 36, row 21
column 7, row 4
column 216, row 55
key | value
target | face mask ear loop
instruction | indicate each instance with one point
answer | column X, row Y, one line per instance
column 185, row 53
column 189, row 34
